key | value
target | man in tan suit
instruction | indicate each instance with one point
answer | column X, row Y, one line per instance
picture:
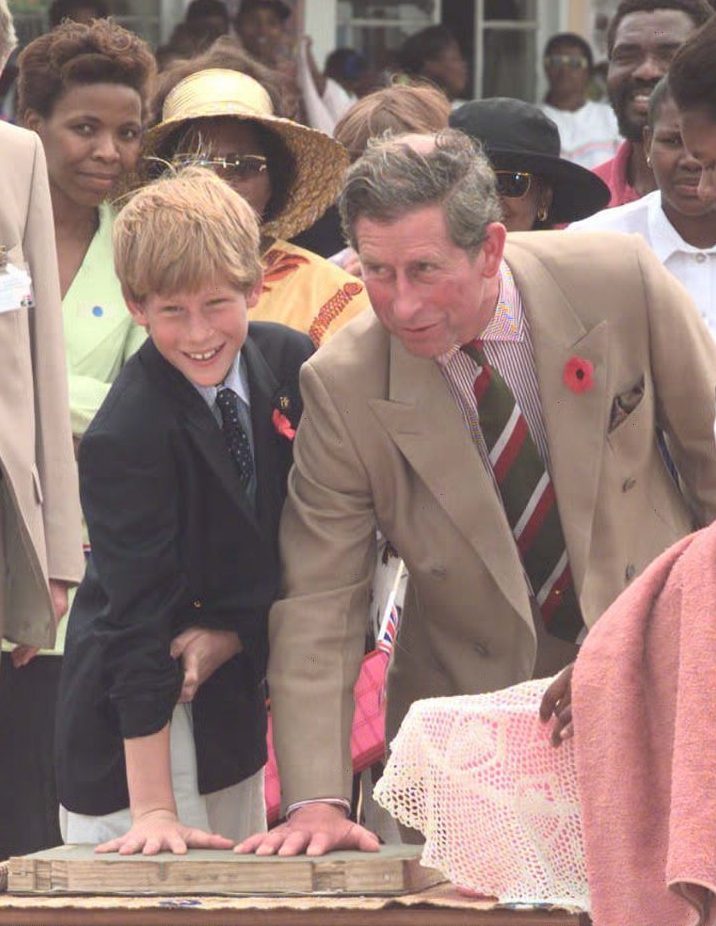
column 41, row 548
column 591, row 344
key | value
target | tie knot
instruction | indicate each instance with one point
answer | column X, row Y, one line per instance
column 474, row 350
column 227, row 402
column 225, row 395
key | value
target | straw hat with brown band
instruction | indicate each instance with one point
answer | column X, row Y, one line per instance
column 320, row 161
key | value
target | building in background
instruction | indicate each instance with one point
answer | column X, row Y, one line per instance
column 502, row 39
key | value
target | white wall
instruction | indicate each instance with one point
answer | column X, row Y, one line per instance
column 320, row 19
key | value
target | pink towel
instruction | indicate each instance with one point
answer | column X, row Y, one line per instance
column 644, row 701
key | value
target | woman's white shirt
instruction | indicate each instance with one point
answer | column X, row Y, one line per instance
column 694, row 267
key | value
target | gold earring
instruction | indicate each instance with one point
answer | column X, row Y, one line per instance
column 542, row 213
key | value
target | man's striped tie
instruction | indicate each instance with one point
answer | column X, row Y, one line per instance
column 528, row 499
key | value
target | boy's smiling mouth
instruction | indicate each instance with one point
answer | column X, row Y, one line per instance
column 203, row 355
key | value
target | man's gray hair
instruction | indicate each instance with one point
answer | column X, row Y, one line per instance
column 392, row 179
column 8, row 39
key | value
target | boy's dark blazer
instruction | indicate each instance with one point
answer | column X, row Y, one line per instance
column 175, row 543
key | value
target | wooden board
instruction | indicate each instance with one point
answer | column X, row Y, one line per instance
column 78, row 869
column 436, row 906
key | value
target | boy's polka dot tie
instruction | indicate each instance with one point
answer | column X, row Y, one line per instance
column 236, row 439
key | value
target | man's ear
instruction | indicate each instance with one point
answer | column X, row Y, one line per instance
column 254, row 294
column 493, row 247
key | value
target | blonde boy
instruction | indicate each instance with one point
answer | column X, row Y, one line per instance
column 161, row 736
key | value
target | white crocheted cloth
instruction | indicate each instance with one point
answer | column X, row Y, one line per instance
column 496, row 802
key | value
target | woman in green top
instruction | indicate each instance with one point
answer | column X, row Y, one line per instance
column 83, row 89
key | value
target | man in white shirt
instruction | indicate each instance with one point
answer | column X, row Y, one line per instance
column 588, row 130
column 678, row 225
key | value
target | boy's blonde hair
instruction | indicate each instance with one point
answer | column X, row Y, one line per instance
column 184, row 232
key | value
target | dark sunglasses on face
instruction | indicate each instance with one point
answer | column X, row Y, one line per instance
column 514, row 184
column 576, row 62
column 237, row 166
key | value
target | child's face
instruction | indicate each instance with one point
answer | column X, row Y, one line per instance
column 199, row 333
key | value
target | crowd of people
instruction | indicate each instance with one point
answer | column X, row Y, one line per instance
column 282, row 334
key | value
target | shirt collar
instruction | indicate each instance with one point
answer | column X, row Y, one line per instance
column 508, row 319
column 236, row 379
column 665, row 240
column 622, row 191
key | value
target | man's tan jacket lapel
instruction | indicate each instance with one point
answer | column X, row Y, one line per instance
column 423, row 419
column 576, row 423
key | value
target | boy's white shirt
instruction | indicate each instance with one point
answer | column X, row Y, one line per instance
column 237, row 379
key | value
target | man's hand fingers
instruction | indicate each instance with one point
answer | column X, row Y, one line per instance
column 320, row 844
column 357, row 837
column 315, row 828
column 271, row 843
column 363, row 840
column 251, row 844
column 352, row 837
column 295, row 843
column 265, row 843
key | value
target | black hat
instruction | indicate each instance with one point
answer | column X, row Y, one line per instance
column 278, row 7
column 519, row 136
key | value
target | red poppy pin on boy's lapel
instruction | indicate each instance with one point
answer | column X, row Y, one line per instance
column 578, row 374
column 281, row 422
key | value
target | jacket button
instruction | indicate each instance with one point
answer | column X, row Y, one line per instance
column 630, row 572
column 481, row 649
column 628, row 484
column 197, row 603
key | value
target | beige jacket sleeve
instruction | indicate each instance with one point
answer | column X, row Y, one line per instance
column 53, row 440
column 328, row 540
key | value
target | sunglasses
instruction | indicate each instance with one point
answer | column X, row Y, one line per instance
column 576, row 62
column 514, row 184
column 237, row 166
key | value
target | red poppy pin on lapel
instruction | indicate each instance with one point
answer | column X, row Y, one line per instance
column 283, row 425
column 578, row 374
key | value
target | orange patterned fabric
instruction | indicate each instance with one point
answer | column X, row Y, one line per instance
column 307, row 292
column 332, row 309
column 279, row 264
